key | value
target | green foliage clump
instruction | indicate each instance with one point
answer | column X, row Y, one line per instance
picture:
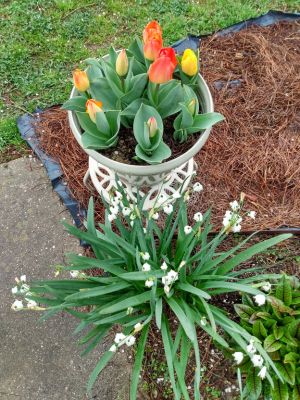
column 277, row 325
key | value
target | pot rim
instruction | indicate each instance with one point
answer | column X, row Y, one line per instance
column 206, row 101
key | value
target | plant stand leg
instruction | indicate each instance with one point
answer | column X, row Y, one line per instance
column 104, row 181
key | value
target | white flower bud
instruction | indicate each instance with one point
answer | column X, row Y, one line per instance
column 119, row 338
column 164, row 266
column 145, row 256
column 188, row 229
column 17, row 305
column 198, row 217
column 130, row 340
column 260, row 299
column 146, row 267
column 257, row 360
column 262, row 373
column 238, row 357
column 31, row 304
column 168, row 209
column 149, row 283
column 197, row 187
column 138, row 327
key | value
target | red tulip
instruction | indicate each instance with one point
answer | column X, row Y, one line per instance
column 152, row 28
column 152, row 48
column 169, row 52
column 161, row 70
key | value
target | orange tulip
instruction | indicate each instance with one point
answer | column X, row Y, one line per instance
column 161, row 70
column 122, row 63
column 81, row 80
column 92, row 107
column 169, row 52
column 152, row 48
column 151, row 29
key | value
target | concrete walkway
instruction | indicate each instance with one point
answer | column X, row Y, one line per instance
column 41, row 361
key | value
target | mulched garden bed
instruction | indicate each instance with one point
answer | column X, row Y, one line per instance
column 254, row 76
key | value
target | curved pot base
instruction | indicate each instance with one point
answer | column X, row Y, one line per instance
column 104, row 180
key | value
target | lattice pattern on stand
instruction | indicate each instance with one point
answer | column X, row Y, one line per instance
column 104, row 180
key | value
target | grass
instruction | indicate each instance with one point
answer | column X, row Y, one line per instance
column 41, row 42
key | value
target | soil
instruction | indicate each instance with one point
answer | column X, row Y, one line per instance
column 125, row 150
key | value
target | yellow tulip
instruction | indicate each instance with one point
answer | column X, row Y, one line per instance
column 189, row 62
column 81, row 80
column 122, row 63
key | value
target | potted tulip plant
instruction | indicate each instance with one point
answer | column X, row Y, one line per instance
column 131, row 109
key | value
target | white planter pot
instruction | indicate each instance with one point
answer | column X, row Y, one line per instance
column 148, row 179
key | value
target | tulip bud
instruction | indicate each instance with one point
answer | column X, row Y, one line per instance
column 92, row 107
column 81, row 80
column 192, row 106
column 152, row 126
column 122, row 63
column 189, row 62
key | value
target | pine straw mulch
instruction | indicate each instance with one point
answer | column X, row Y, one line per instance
column 254, row 76
column 257, row 149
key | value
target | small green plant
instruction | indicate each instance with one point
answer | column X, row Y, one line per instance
column 153, row 275
column 274, row 320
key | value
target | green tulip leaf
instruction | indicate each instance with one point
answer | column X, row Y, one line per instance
column 97, row 143
column 141, row 132
column 137, row 50
column 205, row 121
column 102, row 123
column 76, row 103
column 101, row 91
column 86, row 123
column 137, row 87
column 161, row 153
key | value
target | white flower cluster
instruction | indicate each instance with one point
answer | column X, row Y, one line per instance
column 170, row 277
column 129, row 340
column 256, row 359
column 21, row 289
column 232, row 219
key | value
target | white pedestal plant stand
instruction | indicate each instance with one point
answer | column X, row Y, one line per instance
column 148, row 180
column 104, row 181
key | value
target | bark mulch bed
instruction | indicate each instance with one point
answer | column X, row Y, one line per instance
column 254, row 76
